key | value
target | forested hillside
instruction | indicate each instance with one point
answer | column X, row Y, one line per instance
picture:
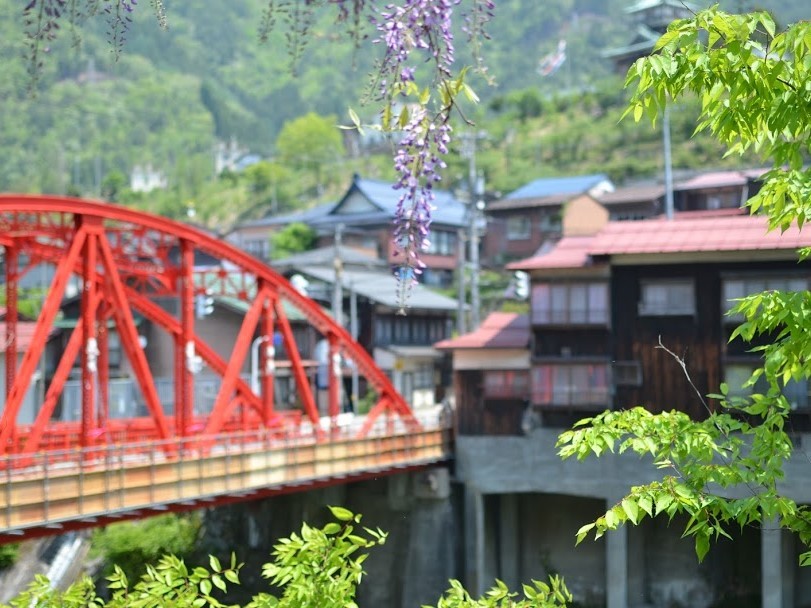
column 172, row 95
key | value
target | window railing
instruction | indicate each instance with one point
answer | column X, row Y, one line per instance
column 576, row 385
column 506, row 384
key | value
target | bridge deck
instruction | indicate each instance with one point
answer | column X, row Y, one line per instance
column 99, row 486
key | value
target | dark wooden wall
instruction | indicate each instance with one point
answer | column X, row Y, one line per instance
column 700, row 340
column 476, row 415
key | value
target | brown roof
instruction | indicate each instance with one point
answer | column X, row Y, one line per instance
column 570, row 252
column 718, row 230
column 527, row 203
column 632, row 194
column 498, row 330
column 715, row 179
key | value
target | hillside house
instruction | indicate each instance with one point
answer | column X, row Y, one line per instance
column 401, row 345
column 531, row 217
column 363, row 217
column 601, row 305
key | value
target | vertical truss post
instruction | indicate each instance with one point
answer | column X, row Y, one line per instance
column 11, row 316
column 185, row 355
column 90, row 346
column 103, row 410
column 267, row 359
column 334, row 382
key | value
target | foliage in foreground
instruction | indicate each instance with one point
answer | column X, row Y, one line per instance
column 723, row 473
column 132, row 545
column 317, row 568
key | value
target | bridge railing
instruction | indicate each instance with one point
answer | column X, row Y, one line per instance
column 64, row 488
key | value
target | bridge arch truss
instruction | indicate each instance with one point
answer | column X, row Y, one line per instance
column 127, row 262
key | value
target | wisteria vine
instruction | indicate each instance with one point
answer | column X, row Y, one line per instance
column 416, row 82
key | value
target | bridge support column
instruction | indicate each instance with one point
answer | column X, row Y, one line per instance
column 474, row 541
column 776, row 566
column 616, row 567
column 509, row 540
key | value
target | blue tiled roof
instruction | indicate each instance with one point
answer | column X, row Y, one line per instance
column 549, row 186
column 304, row 215
column 448, row 210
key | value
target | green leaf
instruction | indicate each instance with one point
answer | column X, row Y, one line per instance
column 702, row 546
column 631, row 510
column 214, row 563
column 332, row 528
column 341, row 514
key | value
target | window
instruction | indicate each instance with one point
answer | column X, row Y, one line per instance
column 570, row 304
column 383, row 331
column 424, row 376
column 736, row 375
column 506, row 384
column 627, row 373
column 259, row 248
column 736, row 288
column 442, row 242
column 518, row 227
column 550, row 222
column 667, row 298
column 572, row 385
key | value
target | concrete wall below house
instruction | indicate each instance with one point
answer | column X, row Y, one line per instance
column 523, row 506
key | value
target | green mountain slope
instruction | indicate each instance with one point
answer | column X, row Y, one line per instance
column 173, row 94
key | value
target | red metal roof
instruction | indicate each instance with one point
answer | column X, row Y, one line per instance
column 498, row 330
column 720, row 230
column 570, row 252
column 25, row 332
column 687, row 232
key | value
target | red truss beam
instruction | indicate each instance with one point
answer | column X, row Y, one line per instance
column 125, row 257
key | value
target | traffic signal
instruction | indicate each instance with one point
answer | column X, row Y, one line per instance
column 521, row 284
column 203, row 305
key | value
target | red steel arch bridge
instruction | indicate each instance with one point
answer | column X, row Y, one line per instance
column 58, row 474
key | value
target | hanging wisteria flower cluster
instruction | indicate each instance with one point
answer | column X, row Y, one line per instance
column 421, row 26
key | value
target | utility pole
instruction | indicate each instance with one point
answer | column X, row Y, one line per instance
column 668, row 163
column 461, row 292
column 337, row 289
column 475, row 205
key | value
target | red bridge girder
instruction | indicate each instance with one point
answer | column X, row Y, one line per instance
column 125, row 259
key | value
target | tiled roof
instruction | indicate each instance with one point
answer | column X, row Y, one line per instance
column 688, row 232
column 325, row 256
column 570, row 252
column 449, row 210
column 632, row 194
column 381, row 287
column 550, row 186
column 522, row 203
column 721, row 230
column 715, row 179
column 498, row 330
column 304, row 215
